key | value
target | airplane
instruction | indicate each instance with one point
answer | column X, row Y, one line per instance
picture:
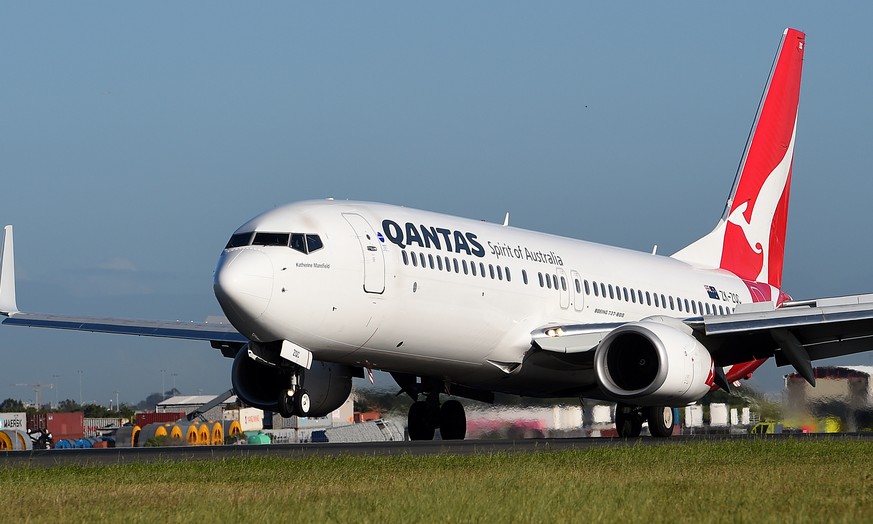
column 317, row 293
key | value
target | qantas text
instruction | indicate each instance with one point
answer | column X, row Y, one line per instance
column 432, row 237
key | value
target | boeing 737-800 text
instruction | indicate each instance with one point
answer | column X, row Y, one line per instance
column 316, row 292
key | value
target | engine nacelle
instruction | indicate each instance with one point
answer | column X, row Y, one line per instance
column 259, row 384
column 654, row 362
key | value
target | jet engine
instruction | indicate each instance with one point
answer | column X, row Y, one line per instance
column 259, row 383
column 654, row 362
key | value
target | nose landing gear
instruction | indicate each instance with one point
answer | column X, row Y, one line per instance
column 294, row 403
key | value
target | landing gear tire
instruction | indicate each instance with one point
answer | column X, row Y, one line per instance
column 294, row 404
column 419, row 426
column 286, row 403
column 453, row 421
column 302, row 403
column 660, row 421
column 628, row 421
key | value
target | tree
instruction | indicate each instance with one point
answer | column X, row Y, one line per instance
column 11, row 405
column 68, row 406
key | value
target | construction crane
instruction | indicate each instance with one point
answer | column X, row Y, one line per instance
column 37, row 388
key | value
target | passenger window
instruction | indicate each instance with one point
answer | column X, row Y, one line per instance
column 700, row 307
column 587, row 288
column 430, row 261
column 421, row 256
column 239, row 240
column 508, row 276
column 686, row 305
column 457, row 269
column 548, row 282
column 596, row 294
column 464, row 265
column 555, row 281
column 524, row 276
column 664, row 302
column 578, row 286
column 313, row 243
column 298, row 242
column 414, row 259
column 540, row 275
column 482, row 269
column 405, row 258
column 671, row 302
column 563, row 283
column 707, row 308
column 626, row 299
column 693, row 307
column 473, row 268
column 448, row 265
column 499, row 273
column 633, row 296
column 602, row 290
column 649, row 299
column 440, row 263
column 679, row 304
column 491, row 270
column 611, row 294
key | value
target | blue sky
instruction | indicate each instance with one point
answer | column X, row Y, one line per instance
column 137, row 137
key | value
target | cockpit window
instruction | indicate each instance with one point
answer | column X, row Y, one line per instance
column 298, row 242
column 313, row 243
column 239, row 240
column 271, row 239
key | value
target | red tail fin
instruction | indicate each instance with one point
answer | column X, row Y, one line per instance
column 749, row 240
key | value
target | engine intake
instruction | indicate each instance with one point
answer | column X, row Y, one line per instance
column 259, row 384
column 654, row 362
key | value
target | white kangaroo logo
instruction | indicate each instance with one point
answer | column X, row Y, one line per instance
column 757, row 229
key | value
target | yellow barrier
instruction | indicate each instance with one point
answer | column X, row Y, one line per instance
column 217, row 434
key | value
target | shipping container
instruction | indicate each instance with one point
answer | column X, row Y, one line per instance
column 150, row 417
column 60, row 425
column 93, row 426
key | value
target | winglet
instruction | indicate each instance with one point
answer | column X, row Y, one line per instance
column 7, row 276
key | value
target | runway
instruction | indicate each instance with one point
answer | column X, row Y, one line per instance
column 61, row 457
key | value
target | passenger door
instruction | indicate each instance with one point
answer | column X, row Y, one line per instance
column 374, row 259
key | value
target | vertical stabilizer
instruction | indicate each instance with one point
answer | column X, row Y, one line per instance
column 749, row 240
column 7, row 275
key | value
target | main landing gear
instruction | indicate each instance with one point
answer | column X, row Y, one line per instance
column 295, row 401
column 425, row 416
column 629, row 420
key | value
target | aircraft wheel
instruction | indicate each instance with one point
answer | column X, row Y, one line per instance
column 286, row 403
column 302, row 403
column 628, row 421
column 660, row 421
column 453, row 421
column 419, row 426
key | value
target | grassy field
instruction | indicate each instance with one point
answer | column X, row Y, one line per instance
column 734, row 481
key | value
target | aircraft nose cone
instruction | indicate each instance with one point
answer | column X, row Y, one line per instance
column 244, row 284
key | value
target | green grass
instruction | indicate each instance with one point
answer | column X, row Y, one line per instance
column 733, row 481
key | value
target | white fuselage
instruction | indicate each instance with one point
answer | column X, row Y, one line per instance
column 403, row 290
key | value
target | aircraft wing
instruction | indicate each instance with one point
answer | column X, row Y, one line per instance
column 222, row 335
column 211, row 331
column 795, row 334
